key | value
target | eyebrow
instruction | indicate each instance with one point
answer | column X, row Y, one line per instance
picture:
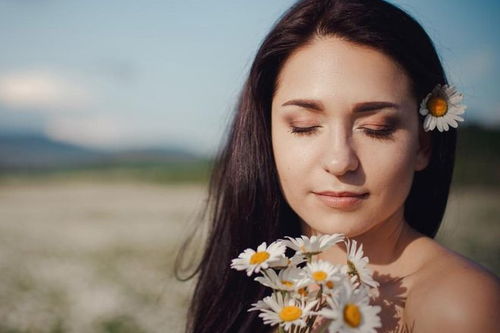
column 317, row 106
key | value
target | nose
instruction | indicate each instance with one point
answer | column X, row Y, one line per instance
column 340, row 156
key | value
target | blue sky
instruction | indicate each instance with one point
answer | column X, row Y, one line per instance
column 122, row 74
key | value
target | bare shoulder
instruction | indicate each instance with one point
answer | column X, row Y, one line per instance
column 452, row 293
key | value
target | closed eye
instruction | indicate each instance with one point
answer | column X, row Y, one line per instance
column 382, row 134
column 304, row 130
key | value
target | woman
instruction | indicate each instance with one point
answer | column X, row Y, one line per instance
column 332, row 105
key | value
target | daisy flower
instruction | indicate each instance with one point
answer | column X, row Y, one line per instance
column 333, row 286
column 289, row 279
column 253, row 261
column 357, row 265
column 313, row 245
column 285, row 262
column 323, row 273
column 350, row 312
column 442, row 108
column 283, row 310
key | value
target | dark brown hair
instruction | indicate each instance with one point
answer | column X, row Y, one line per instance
column 245, row 205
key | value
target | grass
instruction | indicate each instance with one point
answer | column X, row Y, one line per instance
column 150, row 172
column 92, row 257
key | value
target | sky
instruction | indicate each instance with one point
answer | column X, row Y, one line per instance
column 132, row 74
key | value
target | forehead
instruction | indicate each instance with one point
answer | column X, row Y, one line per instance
column 338, row 71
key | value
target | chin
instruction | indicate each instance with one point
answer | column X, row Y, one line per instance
column 351, row 226
column 331, row 228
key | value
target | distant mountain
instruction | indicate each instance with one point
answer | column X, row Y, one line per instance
column 39, row 152
column 171, row 154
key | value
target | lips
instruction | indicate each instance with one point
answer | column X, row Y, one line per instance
column 341, row 194
column 341, row 200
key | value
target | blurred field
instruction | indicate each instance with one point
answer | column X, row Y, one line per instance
column 96, row 256
column 92, row 257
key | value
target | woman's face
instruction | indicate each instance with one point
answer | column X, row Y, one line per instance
column 334, row 129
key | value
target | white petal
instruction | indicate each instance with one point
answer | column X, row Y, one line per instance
column 445, row 124
column 440, row 124
column 433, row 123
column 453, row 122
column 457, row 118
column 458, row 109
column 450, row 90
column 457, row 98
column 428, row 122
column 423, row 106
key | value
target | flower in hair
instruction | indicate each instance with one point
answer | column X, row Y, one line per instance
column 442, row 108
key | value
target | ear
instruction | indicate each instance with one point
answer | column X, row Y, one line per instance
column 424, row 149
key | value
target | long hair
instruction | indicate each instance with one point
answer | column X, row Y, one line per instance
column 245, row 205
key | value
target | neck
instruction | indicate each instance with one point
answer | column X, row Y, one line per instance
column 384, row 244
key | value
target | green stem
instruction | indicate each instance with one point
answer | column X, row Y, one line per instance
column 311, row 319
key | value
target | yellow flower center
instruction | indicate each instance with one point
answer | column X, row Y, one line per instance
column 287, row 283
column 259, row 257
column 330, row 284
column 437, row 106
column 352, row 268
column 319, row 276
column 290, row 313
column 302, row 291
column 352, row 316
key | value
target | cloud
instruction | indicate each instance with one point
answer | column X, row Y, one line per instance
column 92, row 130
column 39, row 90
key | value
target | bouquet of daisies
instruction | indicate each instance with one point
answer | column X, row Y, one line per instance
column 305, row 287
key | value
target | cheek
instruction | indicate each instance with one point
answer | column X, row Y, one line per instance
column 284, row 160
column 293, row 161
column 390, row 171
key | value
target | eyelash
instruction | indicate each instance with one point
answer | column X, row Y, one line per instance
column 382, row 134
column 303, row 130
